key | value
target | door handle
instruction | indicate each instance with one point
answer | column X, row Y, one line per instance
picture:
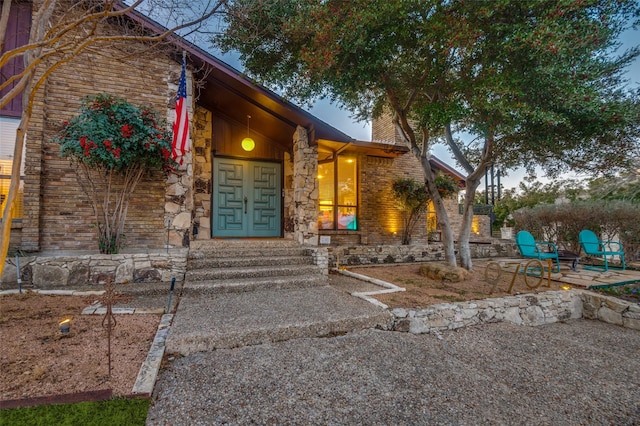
column 245, row 204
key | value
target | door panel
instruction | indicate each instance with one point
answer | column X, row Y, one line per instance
column 247, row 200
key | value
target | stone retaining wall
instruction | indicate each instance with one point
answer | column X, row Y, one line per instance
column 525, row 309
column 75, row 271
column 611, row 310
column 375, row 254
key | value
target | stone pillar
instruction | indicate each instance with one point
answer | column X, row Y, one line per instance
column 178, row 209
column 305, row 189
column 289, row 206
column 203, row 164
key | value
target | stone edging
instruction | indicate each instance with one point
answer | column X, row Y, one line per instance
column 55, row 292
column 366, row 295
column 525, row 309
column 151, row 366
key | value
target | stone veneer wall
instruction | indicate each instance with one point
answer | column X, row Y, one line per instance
column 305, row 189
column 289, row 209
column 377, row 254
column 526, row 309
column 179, row 196
column 202, row 168
column 73, row 271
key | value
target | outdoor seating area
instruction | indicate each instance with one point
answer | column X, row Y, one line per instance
column 581, row 278
column 542, row 250
column 590, row 245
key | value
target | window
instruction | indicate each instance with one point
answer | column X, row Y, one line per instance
column 338, row 192
column 432, row 222
column 8, row 128
column 16, row 35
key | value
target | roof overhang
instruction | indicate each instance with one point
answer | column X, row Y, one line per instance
column 328, row 148
column 229, row 92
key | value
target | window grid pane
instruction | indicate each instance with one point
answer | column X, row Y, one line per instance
column 338, row 194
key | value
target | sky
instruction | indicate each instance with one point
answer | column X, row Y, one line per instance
column 341, row 119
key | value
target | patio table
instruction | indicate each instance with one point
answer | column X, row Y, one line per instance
column 569, row 256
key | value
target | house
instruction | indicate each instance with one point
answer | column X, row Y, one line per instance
column 302, row 180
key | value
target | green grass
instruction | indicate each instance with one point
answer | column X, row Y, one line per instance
column 125, row 412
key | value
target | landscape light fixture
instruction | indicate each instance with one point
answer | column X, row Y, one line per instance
column 247, row 143
column 65, row 326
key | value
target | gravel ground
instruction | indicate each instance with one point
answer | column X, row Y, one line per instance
column 575, row 373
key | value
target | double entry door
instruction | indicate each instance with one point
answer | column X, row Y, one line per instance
column 247, row 200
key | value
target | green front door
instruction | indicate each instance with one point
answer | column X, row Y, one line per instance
column 246, row 198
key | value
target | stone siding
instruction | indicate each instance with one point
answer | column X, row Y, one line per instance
column 377, row 254
column 202, row 167
column 305, row 189
column 78, row 271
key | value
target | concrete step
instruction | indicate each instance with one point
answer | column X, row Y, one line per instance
column 237, row 262
column 250, row 272
column 209, row 322
column 237, row 252
column 253, row 284
column 231, row 243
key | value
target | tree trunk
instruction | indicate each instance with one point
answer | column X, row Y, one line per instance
column 9, row 208
column 465, row 229
column 441, row 213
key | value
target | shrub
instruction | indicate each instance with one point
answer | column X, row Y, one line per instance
column 562, row 223
column 112, row 143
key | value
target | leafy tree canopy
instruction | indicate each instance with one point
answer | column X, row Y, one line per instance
column 534, row 82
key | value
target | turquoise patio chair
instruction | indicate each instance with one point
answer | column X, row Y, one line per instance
column 537, row 250
column 593, row 246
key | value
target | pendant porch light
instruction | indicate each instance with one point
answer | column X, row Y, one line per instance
column 247, row 143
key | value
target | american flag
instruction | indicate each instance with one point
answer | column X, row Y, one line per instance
column 180, row 145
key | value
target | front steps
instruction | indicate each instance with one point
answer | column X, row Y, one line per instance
column 223, row 266
column 247, row 292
